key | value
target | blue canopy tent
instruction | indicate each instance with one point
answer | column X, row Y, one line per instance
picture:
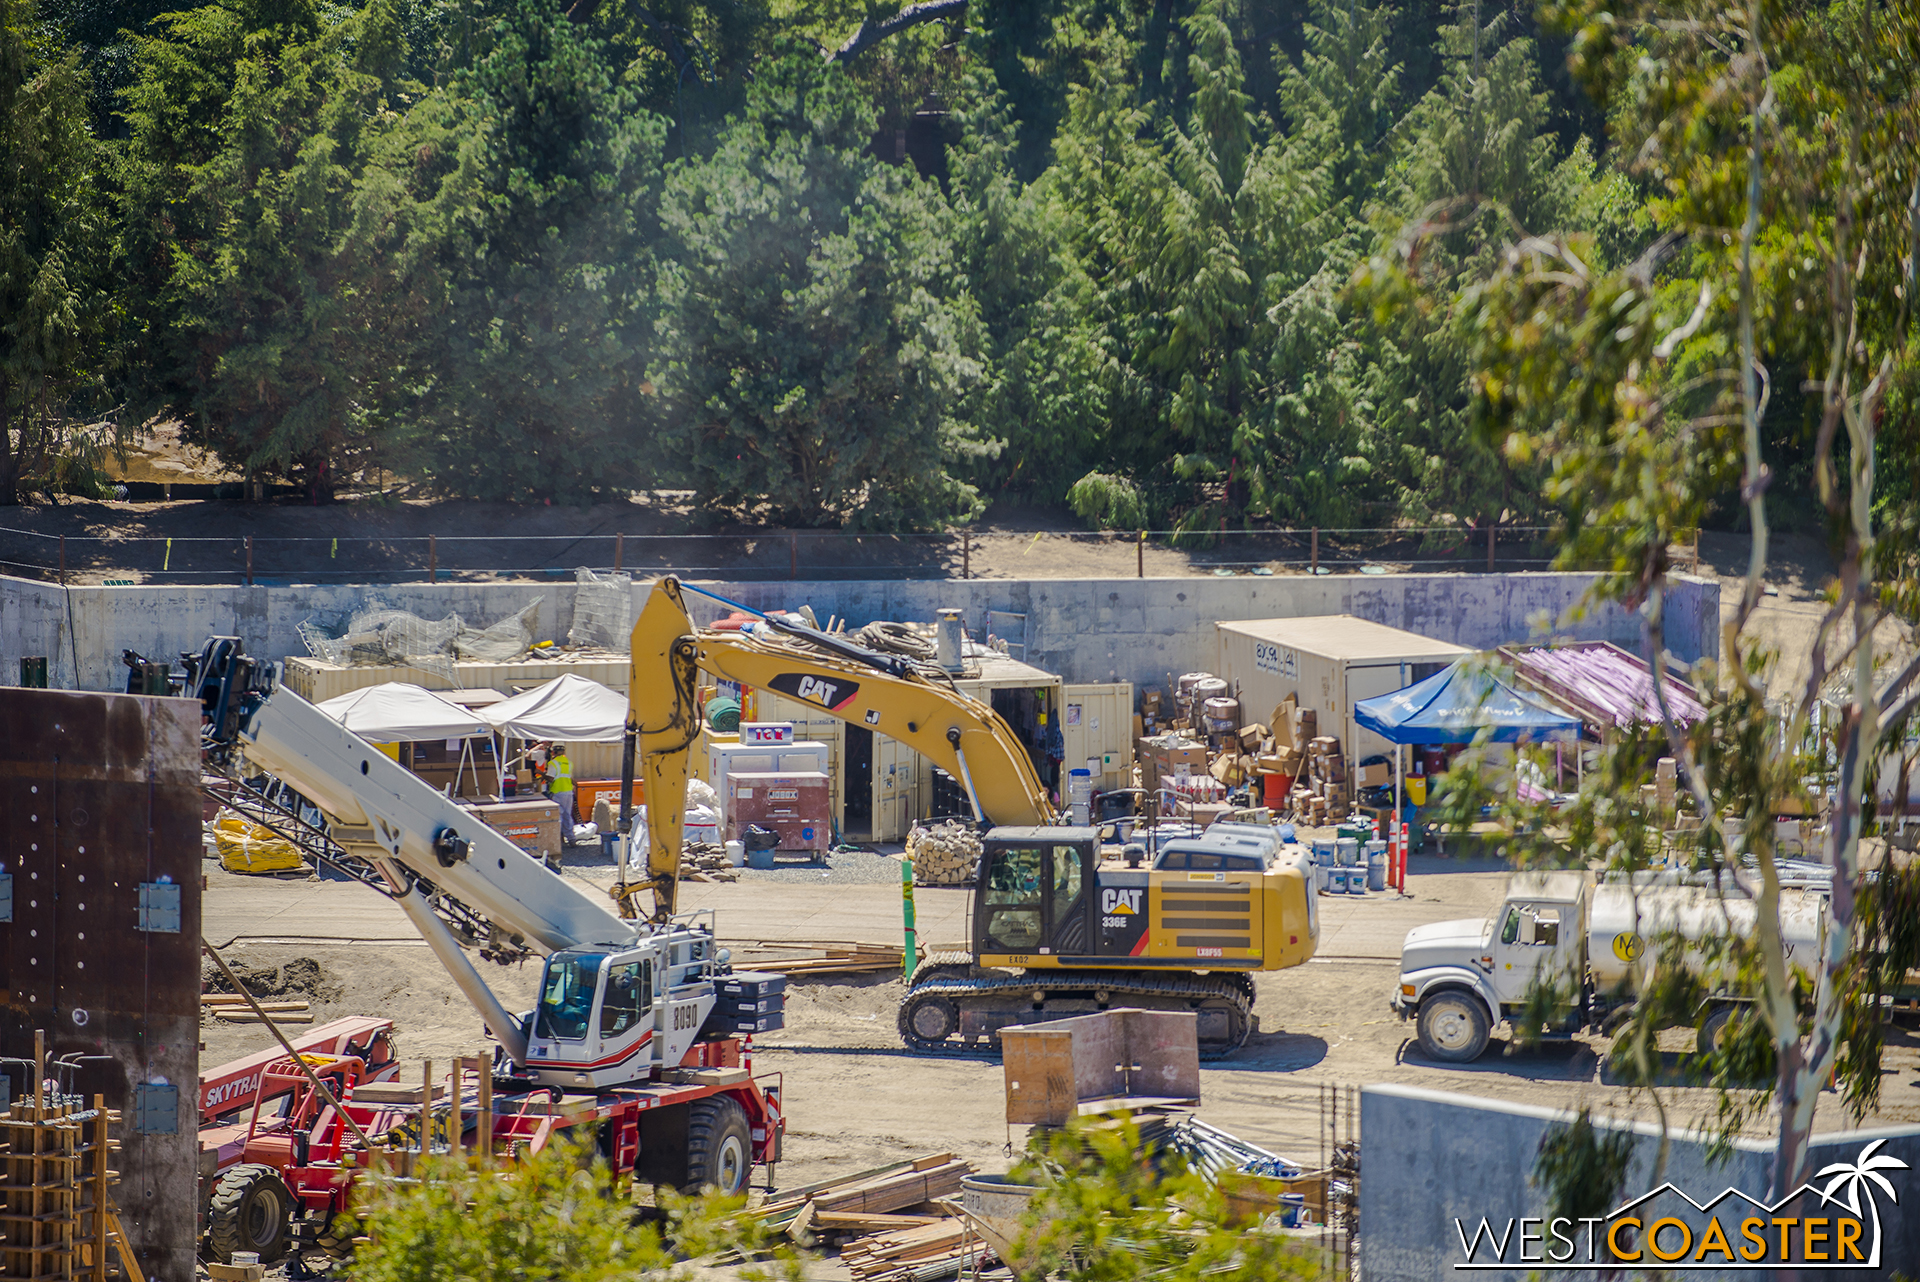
column 1458, row 705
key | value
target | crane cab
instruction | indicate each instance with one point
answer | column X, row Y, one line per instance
column 608, row 1016
column 1236, row 900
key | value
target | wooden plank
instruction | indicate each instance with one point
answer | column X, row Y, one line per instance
column 798, row 1228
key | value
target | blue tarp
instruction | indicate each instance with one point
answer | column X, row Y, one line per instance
column 1456, row 706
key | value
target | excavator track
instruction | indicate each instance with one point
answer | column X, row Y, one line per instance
column 933, row 1014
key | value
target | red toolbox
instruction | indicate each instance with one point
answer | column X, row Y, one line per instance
column 798, row 806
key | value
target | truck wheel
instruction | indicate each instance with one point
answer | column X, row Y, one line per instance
column 251, row 1211
column 1452, row 1027
column 1713, row 1033
column 719, row 1146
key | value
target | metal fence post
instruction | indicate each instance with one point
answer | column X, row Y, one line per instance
column 249, row 560
column 1140, row 556
column 966, row 554
column 619, row 552
column 1490, row 548
column 63, row 560
column 1316, row 549
column 433, row 558
column 793, row 556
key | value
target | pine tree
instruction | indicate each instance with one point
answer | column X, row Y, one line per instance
column 57, row 302
column 817, row 343
column 1475, row 158
column 514, row 214
column 249, row 164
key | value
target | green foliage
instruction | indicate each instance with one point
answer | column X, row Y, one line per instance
column 248, row 127
column 1107, row 502
column 522, row 250
column 1108, row 1215
column 58, row 304
column 556, row 1214
column 1582, row 1168
column 512, row 218
column 816, row 342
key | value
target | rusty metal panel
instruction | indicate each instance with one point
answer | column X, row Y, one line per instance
column 99, row 794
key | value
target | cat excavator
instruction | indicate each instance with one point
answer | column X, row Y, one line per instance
column 1058, row 927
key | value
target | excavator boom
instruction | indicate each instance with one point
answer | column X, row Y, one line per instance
column 887, row 694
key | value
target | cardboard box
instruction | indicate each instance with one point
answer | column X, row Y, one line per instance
column 1251, row 737
column 1281, row 723
column 1306, row 724
column 1323, row 746
column 1378, row 775
column 532, row 825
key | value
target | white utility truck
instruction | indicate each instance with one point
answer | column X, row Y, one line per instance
column 1594, row 944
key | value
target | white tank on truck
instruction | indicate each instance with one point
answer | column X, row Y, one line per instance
column 1594, row 945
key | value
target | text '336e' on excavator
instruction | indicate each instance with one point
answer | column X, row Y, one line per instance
column 1057, row 929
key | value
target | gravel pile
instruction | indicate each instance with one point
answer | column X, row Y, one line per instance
column 845, row 867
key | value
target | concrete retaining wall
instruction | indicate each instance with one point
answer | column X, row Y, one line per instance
column 1429, row 1158
column 1135, row 630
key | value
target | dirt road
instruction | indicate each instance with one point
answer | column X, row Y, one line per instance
column 856, row 1099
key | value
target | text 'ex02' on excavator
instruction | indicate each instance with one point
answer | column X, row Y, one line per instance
column 1058, row 927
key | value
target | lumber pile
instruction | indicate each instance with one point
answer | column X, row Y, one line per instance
column 940, row 1249
column 830, row 957
column 706, row 861
column 944, row 854
column 892, row 1221
column 232, row 1008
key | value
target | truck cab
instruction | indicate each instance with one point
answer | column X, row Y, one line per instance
column 1459, row 979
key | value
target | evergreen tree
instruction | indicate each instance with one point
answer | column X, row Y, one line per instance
column 817, row 343
column 514, row 215
column 248, row 128
column 1474, row 159
column 57, row 305
column 1041, row 398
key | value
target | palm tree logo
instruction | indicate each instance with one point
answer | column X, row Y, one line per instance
column 1863, row 1175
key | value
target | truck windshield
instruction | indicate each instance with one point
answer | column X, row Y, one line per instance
column 566, row 996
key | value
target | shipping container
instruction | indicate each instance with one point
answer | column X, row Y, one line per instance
column 1328, row 662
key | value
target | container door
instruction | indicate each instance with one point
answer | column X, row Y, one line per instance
column 1096, row 722
column 893, row 788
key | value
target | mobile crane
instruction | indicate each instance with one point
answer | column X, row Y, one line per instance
column 629, row 1038
column 1057, row 929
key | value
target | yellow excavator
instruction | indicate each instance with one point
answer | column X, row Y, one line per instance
column 1058, row 927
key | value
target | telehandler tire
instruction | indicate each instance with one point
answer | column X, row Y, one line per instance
column 251, row 1210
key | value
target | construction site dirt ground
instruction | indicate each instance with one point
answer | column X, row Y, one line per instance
column 856, row 1099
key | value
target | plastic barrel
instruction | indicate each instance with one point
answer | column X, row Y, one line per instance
column 1080, row 794
column 1346, row 852
column 1376, row 865
column 1417, row 790
column 1324, row 851
column 1276, row 789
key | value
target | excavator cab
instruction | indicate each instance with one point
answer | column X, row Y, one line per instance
column 1035, row 893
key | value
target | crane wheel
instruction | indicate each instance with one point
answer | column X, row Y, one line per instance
column 928, row 1019
column 251, row 1210
column 719, row 1146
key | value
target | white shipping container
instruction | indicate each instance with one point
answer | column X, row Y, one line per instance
column 1329, row 662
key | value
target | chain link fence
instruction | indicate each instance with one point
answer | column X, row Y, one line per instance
column 801, row 554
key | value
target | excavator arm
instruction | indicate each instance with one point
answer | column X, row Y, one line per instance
column 884, row 693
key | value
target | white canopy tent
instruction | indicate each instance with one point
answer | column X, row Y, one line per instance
column 570, row 709
column 401, row 712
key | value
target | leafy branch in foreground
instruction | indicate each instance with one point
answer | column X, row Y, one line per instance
column 557, row 1214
